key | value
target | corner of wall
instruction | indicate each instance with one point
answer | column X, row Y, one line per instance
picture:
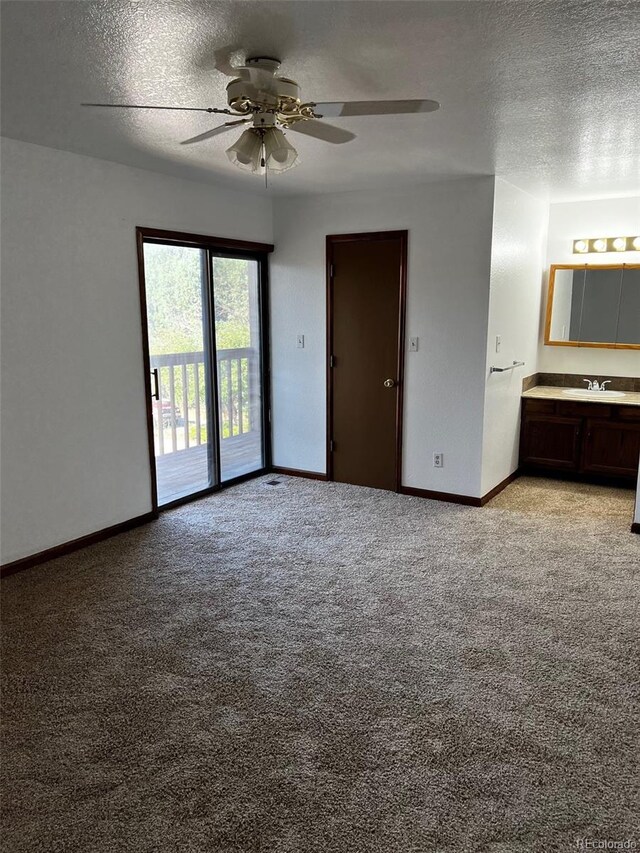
column 514, row 315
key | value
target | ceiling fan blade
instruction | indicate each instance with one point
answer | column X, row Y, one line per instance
column 214, row 132
column 147, row 107
column 374, row 108
column 320, row 130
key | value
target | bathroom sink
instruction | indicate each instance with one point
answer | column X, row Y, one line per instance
column 592, row 395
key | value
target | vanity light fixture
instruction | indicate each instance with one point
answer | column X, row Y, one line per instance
column 583, row 246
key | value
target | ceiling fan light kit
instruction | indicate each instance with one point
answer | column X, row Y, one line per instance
column 259, row 150
column 269, row 102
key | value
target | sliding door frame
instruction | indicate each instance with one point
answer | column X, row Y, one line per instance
column 214, row 247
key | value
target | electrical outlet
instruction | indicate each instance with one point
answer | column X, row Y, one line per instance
column 498, row 342
column 413, row 345
column 300, row 342
column 438, row 460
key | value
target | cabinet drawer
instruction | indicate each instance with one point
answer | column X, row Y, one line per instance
column 539, row 407
column 584, row 410
column 628, row 413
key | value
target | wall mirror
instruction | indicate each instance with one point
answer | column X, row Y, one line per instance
column 593, row 306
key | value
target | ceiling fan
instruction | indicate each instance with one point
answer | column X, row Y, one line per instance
column 267, row 102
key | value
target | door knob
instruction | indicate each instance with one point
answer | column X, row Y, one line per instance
column 389, row 383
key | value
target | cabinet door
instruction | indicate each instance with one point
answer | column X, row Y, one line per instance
column 549, row 441
column 612, row 448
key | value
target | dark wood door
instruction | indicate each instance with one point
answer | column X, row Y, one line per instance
column 611, row 448
column 549, row 441
column 367, row 275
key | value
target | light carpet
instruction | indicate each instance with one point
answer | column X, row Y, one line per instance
column 317, row 667
column 566, row 499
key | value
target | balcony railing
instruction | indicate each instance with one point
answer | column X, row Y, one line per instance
column 180, row 415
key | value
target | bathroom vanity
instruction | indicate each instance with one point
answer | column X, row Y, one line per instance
column 589, row 435
column 567, row 427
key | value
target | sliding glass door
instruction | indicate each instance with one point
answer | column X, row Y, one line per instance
column 177, row 319
column 239, row 365
column 204, row 324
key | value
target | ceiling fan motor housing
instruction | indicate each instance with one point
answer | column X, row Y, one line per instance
column 257, row 87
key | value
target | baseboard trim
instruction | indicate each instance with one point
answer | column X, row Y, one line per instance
column 75, row 545
column 497, row 489
column 635, row 527
column 448, row 497
column 453, row 498
column 296, row 472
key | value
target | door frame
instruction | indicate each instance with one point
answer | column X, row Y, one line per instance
column 370, row 236
column 229, row 248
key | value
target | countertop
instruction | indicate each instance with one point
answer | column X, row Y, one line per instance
column 549, row 392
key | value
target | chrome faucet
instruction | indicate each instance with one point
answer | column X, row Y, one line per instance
column 594, row 385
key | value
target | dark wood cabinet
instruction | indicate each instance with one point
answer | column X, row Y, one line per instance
column 551, row 442
column 611, row 448
column 582, row 438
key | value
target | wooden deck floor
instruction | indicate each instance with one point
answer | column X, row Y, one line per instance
column 187, row 471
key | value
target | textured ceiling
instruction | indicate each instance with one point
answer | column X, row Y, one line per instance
column 545, row 94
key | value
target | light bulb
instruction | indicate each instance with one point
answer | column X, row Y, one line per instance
column 636, row 244
column 620, row 244
column 600, row 245
column 580, row 246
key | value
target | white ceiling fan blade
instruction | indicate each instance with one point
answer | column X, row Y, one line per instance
column 374, row 108
column 148, row 107
column 320, row 130
column 214, row 132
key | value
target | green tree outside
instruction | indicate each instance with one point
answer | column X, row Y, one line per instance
column 173, row 276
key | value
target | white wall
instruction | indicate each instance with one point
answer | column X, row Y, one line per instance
column 568, row 222
column 74, row 438
column 517, row 267
column 449, row 226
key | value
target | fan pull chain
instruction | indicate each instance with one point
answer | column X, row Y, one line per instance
column 263, row 164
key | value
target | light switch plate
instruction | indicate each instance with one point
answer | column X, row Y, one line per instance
column 413, row 345
column 498, row 342
column 300, row 342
